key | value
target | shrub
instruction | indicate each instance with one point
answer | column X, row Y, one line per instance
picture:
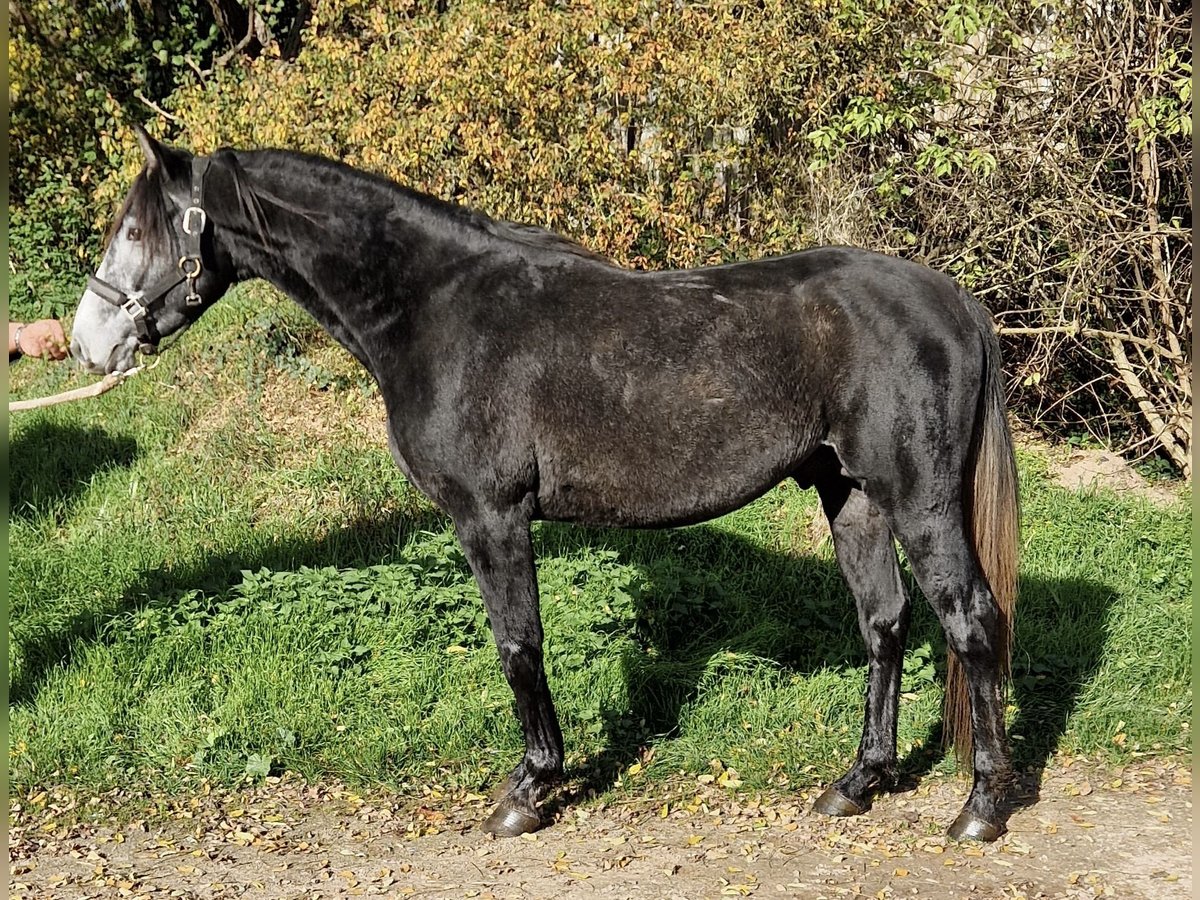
column 1035, row 149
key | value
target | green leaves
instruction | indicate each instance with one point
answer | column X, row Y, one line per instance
column 258, row 766
column 919, row 669
column 962, row 20
column 211, row 738
column 345, row 658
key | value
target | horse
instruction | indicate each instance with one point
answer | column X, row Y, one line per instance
column 526, row 378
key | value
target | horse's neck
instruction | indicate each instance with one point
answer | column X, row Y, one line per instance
column 348, row 258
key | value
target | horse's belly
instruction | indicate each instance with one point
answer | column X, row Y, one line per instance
column 633, row 489
column 638, row 436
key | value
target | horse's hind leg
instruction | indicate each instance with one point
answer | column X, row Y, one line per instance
column 946, row 569
column 866, row 553
column 498, row 547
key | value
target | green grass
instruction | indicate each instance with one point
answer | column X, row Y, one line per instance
column 216, row 568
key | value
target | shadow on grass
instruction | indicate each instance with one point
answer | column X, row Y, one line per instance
column 364, row 543
column 706, row 591
column 51, row 465
column 795, row 610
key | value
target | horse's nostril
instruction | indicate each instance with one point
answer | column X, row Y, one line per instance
column 76, row 350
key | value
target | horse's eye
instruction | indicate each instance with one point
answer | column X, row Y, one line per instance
column 134, row 234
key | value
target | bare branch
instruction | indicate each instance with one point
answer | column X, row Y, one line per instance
column 154, row 106
column 1079, row 331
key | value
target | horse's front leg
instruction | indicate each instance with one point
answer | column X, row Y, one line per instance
column 498, row 547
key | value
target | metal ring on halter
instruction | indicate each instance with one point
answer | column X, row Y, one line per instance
column 193, row 298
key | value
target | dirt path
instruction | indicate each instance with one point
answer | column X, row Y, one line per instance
column 1092, row 834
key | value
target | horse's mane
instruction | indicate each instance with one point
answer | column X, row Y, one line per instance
column 536, row 236
column 468, row 221
column 146, row 203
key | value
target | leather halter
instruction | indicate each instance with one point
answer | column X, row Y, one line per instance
column 139, row 304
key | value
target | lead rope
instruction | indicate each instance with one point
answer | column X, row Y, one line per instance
column 110, row 381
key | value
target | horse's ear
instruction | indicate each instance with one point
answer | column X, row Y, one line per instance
column 151, row 149
column 160, row 159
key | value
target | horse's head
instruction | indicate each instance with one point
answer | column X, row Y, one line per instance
column 160, row 270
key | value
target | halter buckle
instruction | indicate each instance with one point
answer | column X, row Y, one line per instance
column 185, row 261
column 133, row 306
column 188, row 214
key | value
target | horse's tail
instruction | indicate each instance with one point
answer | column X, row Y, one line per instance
column 993, row 522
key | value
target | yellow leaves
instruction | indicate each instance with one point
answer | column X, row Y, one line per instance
column 721, row 776
column 517, row 109
column 729, row 779
column 1013, row 845
column 739, row 889
column 562, row 866
column 384, row 877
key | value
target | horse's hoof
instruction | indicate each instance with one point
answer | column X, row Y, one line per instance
column 834, row 803
column 969, row 827
column 508, row 821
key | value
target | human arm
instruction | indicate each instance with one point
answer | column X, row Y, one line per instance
column 44, row 338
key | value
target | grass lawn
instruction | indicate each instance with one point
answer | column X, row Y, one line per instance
column 216, row 571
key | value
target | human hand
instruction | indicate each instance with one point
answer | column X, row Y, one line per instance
column 44, row 339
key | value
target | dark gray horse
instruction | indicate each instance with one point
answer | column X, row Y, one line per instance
column 526, row 378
